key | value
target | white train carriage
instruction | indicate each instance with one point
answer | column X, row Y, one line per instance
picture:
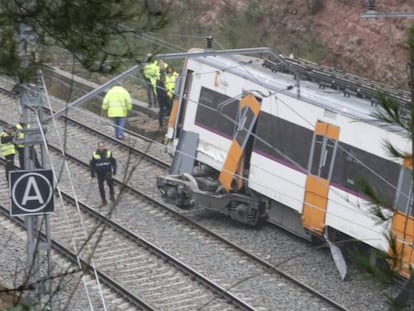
column 254, row 144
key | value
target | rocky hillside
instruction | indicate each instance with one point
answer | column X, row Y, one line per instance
column 371, row 47
column 331, row 32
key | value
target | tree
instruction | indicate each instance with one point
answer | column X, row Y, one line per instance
column 402, row 119
column 96, row 33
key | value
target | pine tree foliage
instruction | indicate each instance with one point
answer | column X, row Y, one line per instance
column 392, row 113
column 100, row 35
column 96, row 33
column 399, row 120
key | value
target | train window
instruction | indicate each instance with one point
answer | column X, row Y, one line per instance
column 404, row 197
column 283, row 141
column 353, row 164
column 322, row 157
column 317, row 155
column 243, row 120
column 214, row 115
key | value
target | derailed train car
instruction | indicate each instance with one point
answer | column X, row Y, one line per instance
column 257, row 144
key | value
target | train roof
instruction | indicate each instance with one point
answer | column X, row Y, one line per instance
column 334, row 98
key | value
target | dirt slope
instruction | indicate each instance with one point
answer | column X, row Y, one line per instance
column 374, row 48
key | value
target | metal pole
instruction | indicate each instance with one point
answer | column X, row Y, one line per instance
column 48, row 229
column 30, row 221
column 32, row 101
column 25, row 39
column 49, row 260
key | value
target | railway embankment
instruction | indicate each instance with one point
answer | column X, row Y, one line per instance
column 70, row 87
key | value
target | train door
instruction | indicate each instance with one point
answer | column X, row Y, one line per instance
column 320, row 168
column 252, row 115
column 238, row 156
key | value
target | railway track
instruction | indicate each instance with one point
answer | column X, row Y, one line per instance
column 251, row 267
column 66, row 273
column 131, row 265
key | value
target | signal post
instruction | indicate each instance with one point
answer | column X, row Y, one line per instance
column 31, row 190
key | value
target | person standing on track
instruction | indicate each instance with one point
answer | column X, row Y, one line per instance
column 117, row 102
column 151, row 75
column 170, row 81
column 103, row 164
column 7, row 148
column 163, row 100
column 20, row 126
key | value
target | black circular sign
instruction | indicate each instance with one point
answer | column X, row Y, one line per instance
column 32, row 192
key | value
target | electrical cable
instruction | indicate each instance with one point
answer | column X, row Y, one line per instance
column 291, row 160
column 166, row 44
column 77, row 251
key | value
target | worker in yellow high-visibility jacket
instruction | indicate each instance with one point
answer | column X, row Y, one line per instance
column 169, row 81
column 20, row 126
column 7, row 148
column 152, row 74
column 117, row 103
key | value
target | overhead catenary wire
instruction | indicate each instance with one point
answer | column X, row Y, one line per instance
column 294, row 112
column 76, row 107
column 208, row 108
column 280, row 151
column 78, row 251
column 293, row 162
column 163, row 43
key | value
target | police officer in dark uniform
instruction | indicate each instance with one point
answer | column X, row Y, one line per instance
column 104, row 165
column 163, row 100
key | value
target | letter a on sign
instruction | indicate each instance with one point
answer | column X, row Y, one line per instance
column 31, row 192
column 32, row 187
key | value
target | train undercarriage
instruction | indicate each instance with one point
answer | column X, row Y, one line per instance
column 193, row 184
column 189, row 191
